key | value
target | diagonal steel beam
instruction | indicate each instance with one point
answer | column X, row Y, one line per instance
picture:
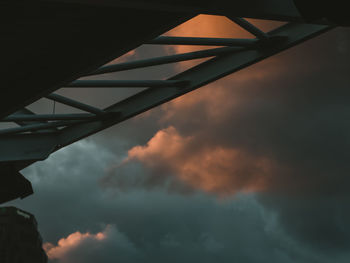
column 165, row 60
column 249, row 27
column 74, row 104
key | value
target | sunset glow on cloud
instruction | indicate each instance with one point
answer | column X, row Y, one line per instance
column 65, row 245
column 214, row 169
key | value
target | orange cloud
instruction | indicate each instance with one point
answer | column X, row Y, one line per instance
column 71, row 242
column 215, row 169
column 175, row 144
column 226, row 97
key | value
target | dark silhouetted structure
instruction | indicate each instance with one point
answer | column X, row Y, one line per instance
column 51, row 44
column 20, row 241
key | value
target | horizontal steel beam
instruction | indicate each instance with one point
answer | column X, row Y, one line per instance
column 126, row 83
column 27, row 112
column 250, row 27
column 24, row 111
column 47, row 117
column 54, row 124
column 74, row 104
column 36, row 127
column 165, row 60
column 203, row 41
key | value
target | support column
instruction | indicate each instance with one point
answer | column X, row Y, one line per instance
column 20, row 241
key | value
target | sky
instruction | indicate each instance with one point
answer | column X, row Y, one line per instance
column 251, row 168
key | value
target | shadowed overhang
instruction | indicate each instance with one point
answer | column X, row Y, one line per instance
column 46, row 44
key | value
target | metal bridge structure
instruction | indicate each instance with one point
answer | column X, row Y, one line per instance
column 50, row 44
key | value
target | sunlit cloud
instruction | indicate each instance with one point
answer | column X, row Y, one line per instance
column 213, row 169
column 74, row 240
column 86, row 247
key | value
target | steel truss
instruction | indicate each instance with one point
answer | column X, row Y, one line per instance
column 39, row 135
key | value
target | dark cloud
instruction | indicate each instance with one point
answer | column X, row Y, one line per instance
column 85, row 223
column 318, row 222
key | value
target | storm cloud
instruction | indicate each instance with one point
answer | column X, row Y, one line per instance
column 81, row 222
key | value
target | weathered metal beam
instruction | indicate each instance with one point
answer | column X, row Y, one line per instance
column 74, row 104
column 54, row 124
column 47, row 117
column 165, row 60
column 28, row 112
column 203, row 41
column 126, row 83
column 36, row 127
column 23, row 111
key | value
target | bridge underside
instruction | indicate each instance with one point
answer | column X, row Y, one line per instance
column 49, row 44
